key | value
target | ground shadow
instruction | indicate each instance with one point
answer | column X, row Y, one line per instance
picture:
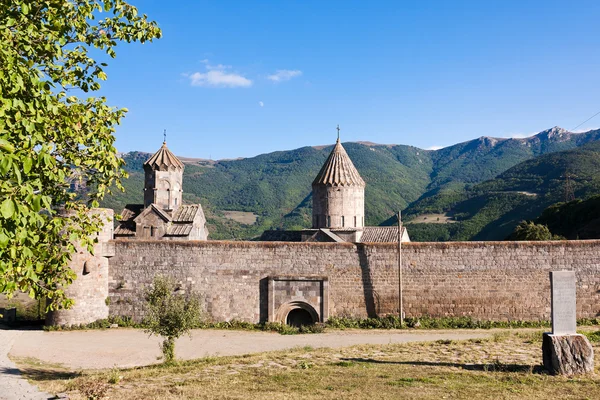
column 367, row 281
column 38, row 374
column 22, row 326
column 9, row 371
column 491, row 367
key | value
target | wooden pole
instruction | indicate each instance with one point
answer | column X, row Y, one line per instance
column 400, row 302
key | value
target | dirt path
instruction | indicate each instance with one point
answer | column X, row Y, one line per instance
column 12, row 384
column 130, row 347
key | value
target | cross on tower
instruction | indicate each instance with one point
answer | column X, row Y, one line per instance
column 338, row 129
column 165, row 136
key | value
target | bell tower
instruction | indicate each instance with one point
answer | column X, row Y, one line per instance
column 338, row 193
column 163, row 180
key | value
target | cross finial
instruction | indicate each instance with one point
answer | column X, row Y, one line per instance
column 338, row 129
column 165, row 137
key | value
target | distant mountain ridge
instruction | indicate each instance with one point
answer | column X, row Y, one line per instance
column 277, row 186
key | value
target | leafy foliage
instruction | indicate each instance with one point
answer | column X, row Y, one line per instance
column 529, row 230
column 170, row 315
column 578, row 219
column 49, row 135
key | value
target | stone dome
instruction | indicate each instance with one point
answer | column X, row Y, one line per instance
column 338, row 170
column 163, row 160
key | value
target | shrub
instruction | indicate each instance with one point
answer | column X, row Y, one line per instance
column 170, row 315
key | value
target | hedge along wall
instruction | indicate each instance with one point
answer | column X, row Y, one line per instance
column 484, row 280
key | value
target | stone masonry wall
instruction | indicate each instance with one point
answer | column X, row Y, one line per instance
column 90, row 289
column 484, row 280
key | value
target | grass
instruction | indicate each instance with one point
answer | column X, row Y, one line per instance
column 505, row 366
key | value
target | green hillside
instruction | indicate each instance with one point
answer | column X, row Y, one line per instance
column 277, row 186
column 578, row 219
column 490, row 210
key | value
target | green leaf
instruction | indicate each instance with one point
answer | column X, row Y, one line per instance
column 6, row 146
column 3, row 239
column 7, row 209
column 27, row 165
column 37, row 206
column 5, row 165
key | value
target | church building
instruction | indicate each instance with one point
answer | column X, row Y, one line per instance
column 338, row 212
column 163, row 214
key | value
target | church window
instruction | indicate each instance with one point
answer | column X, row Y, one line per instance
column 175, row 200
column 152, row 231
column 355, row 221
column 343, row 221
column 328, row 221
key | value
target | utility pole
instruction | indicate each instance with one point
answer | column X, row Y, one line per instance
column 569, row 193
column 400, row 304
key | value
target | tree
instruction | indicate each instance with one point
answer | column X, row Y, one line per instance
column 170, row 315
column 50, row 134
column 529, row 230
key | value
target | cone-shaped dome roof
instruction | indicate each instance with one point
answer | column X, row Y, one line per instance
column 163, row 160
column 338, row 170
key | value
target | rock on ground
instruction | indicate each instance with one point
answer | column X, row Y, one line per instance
column 567, row 354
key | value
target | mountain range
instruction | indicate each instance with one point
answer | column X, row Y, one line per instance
column 475, row 190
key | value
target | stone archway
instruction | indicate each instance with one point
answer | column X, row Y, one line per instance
column 296, row 313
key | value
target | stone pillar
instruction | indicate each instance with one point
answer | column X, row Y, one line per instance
column 90, row 290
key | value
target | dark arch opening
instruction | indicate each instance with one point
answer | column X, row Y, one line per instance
column 299, row 317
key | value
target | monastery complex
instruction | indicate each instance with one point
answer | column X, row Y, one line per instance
column 338, row 267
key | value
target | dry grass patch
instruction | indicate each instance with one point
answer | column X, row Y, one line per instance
column 507, row 366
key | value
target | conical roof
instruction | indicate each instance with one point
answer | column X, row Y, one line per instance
column 338, row 170
column 163, row 160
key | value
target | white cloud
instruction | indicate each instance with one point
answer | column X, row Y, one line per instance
column 260, row 103
column 435, row 147
column 217, row 67
column 282, row 75
column 217, row 76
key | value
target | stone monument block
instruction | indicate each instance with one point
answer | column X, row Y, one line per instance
column 562, row 286
column 564, row 352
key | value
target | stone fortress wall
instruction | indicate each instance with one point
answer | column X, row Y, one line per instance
column 251, row 281
column 90, row 288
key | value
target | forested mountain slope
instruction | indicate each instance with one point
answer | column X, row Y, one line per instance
column 277, row 186
column 490, row 210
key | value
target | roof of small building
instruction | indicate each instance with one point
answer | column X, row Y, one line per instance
column 154, row 208
column 179, row 230
column 163, row 160
column 380, row 234
column 127, row 225
column 186, row 213
column 338, row 170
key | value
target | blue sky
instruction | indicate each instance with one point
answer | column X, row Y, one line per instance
column 240, row 78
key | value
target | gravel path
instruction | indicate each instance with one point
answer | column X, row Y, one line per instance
column 97, row 349
column 12, row 385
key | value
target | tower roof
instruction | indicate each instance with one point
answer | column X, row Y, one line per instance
column 338, row 170
column 163, row 160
